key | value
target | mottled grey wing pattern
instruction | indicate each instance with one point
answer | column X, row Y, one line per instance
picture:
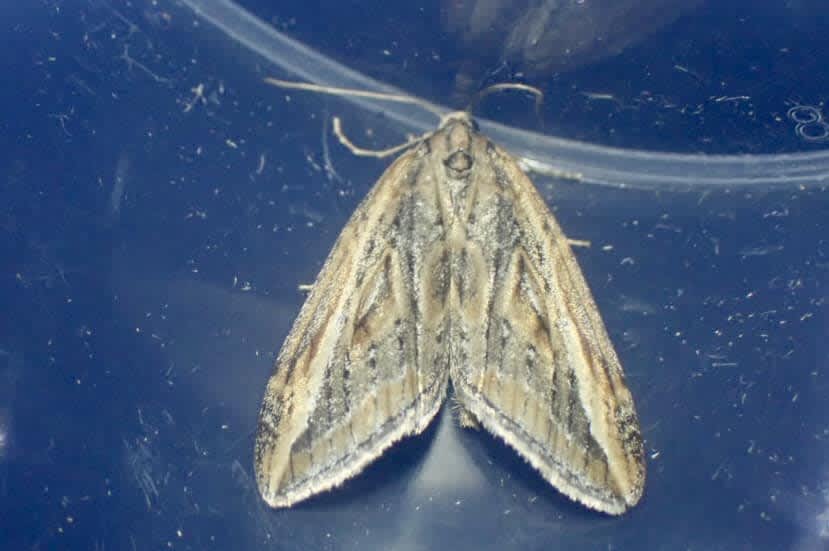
column 532, row 361
column 356, row 373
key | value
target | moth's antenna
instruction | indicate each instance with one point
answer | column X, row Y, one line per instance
column 334, row 91
column 504, row 86
column 337, row 126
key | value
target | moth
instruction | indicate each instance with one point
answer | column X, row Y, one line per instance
column 451, row 269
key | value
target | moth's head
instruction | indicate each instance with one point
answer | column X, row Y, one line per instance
column 455, row 143
column 461, row 117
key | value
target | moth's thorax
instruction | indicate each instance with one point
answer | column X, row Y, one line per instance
column 456, row 149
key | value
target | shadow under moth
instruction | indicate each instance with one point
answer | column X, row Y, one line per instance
column 452, row 268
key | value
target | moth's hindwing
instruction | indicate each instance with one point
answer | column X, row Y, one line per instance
column 451, row 267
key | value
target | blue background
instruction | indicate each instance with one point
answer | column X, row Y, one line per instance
column 160, row 205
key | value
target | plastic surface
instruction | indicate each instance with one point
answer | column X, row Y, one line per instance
column 161, row 204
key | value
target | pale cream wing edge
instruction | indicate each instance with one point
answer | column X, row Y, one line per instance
column 294, row 388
